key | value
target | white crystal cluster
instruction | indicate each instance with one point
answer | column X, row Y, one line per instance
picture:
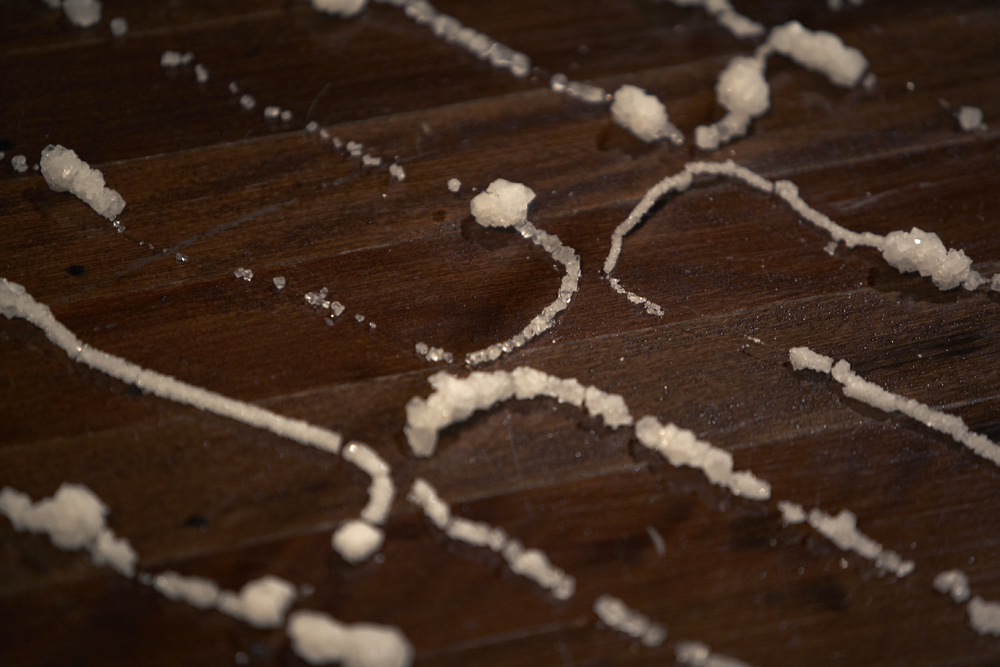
column 81, row 13
column 917, row 250
column 455, row 399
column 697, row 654
column 452, row 31
column 860, row 389
column 682, row 448
column 578, row 90
column 172, row 59
column 119, row 26
column 742, row 88
column 643, row 115
column 74, row 519
column 342, row 8
column 319, row 299
column 358, row 539
column 16, row 302
column 984, row 616
column 64, row 171
column 843, row 531
column 954, row 583
column 723, row 12
column 505, row 204
column 970, row 118
column 906, row 251
column 618, row 615
column 433, row 354
column 320, row 639
column 396, row 171
column 261, row 603
column 532, row 564
column 19, row 163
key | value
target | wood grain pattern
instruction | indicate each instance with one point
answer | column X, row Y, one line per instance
column 207, row 496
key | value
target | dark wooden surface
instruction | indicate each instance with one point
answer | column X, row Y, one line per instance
column 230, row 189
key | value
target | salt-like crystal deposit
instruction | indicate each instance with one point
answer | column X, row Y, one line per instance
column 578, row 90
column 742, row 88
column 535, row 565
column 954, row 583
column 356, row 540
column 396, row 171
column 984, row 617
column 530, row 563
column 454, row 184
column 248, row 102
column 682, row 448
column 433, row 354
column 843, row 531
column 618, row 615
column 320, row 639
column 643, row 115
column 381, row 490
column 792, row 513
column 947, row 267
column 723, row 12
column 803, row 357
column 860, row 389
column 455, row 399
column 970, row 118
column 586, row 92
column 818, row 51
column 245, row 274
column 64, row 171
column 313, row 126
column 697, row 654
column 119, row 26
column 74, row 519
column 342, row 8
column 172, row 59
column 196, row 591
column 261, row 603
column 234, row 88
column 354, row 148
column 369, row 161
column 201, row 73
column 16, row 302
column 452, row 31
column 924, row 252
column 286, row 116
column 423, row 495
column 272, row 112
column 657, row 540
column 82, row 13
column 279, row 282
column 20, row 163
column 505, row 204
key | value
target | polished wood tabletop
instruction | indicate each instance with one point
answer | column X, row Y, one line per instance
column 740, row 276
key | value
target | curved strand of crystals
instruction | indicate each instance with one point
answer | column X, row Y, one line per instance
column 505, row 205
column 15, row 301
column 915, row 250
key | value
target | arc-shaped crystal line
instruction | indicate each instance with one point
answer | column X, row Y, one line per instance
column 858, row 388
column 726, row 15
column 455, row 399
column 544, row 321
column 947, row 267
column 15, row 301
